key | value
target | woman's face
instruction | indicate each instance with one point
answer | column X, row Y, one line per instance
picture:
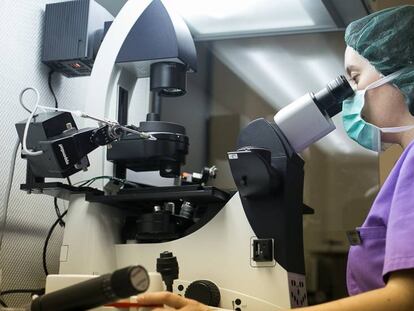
column 384, row 105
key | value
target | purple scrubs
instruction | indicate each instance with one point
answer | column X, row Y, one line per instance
column 387, row 234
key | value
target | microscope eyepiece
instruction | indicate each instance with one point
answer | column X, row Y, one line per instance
column 329, row 100
column 340, row 88
column 308, row 118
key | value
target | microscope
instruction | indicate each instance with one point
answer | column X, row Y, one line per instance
column 232, row 250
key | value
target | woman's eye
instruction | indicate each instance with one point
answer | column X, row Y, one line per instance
column 355, row 78
column 352, row 82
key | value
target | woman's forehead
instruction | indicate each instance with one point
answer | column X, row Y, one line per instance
column 355, row 62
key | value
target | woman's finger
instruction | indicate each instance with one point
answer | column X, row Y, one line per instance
column 163, row 298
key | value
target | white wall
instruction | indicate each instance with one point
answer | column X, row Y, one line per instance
column 30, row 216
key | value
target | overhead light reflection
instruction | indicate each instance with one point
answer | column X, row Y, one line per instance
column 229, row 16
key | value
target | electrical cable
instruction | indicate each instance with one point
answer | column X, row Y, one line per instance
column 49, row 83
column 6, row 197
column 36, row 291
column 3, row 304
column 89, row 182
column 58, row 213
column 21, row 100
column 46, row 244
column 32, row 113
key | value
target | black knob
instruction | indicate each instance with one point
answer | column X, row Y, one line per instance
column 167, row 266
column 205, row 292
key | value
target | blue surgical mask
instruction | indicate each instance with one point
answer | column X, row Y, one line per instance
column 364, row 133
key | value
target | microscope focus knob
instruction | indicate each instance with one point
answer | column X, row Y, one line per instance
column 205, row 292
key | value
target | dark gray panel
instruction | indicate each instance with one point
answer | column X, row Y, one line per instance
column 148, row 40
column 74, row 29
column 344, row 12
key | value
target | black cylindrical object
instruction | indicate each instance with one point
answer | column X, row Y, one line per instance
column 156, row 224
column 155, row 110
column 187, row 210
column 204, row 291
column 95, row 292
column 329, row 100
column 168, row 79
column 166, row 154
column 167, row 266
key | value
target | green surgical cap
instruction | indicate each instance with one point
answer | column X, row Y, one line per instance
column 386, row 40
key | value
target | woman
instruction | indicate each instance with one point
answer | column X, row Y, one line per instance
column 379, row 60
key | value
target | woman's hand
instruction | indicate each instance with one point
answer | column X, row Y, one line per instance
column 171, row 300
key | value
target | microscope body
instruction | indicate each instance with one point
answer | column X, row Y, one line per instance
column 236, row 250
column 247, row 244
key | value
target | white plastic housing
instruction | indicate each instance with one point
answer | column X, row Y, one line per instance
column 303, row 123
